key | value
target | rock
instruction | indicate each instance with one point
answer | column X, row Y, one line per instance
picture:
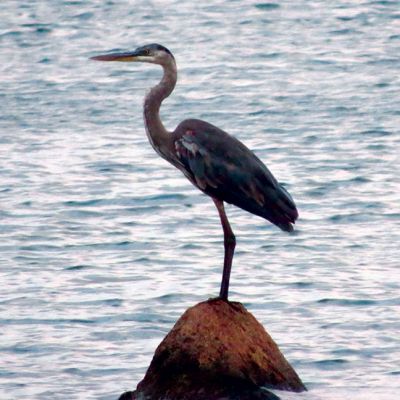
column 216, row 350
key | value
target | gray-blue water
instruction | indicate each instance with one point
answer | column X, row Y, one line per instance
column 103, row 245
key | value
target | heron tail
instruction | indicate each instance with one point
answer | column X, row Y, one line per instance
column 284, row 210
column 287, row 227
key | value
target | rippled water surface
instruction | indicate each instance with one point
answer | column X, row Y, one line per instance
column 104, row 245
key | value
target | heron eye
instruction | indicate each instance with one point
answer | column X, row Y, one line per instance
column 146, row 52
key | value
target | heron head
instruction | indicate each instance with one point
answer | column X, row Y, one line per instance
column 151, row 53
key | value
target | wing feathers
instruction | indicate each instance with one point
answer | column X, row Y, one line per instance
column 224, row 168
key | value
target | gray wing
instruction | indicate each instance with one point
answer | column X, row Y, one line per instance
column 224, row 168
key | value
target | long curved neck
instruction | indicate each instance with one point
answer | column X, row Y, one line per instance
column 159, row 137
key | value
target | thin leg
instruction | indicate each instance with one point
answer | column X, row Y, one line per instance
column 229, row 244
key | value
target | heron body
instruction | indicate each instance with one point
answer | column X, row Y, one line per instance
column 215, row 162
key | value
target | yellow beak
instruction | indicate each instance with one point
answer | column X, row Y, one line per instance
column 122, row 57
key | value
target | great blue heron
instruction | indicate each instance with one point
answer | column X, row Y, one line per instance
column 215, row 162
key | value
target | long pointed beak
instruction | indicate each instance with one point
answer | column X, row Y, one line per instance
column 122, row 57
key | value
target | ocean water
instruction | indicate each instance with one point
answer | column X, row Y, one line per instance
column 103, row 245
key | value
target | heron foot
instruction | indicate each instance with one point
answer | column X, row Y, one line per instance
column 219, row 298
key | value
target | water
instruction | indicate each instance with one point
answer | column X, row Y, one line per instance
column 104, row 245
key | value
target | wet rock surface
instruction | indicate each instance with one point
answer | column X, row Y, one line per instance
column 216, row 350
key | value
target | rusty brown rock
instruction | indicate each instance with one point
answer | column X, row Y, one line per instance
column 217, row 350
